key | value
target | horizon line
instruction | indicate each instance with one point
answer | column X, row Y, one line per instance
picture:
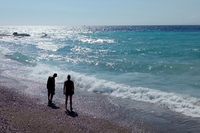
column 97, row 25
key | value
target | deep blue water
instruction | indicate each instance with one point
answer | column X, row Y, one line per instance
column 153, row 64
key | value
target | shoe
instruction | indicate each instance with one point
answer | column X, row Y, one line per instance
column 49, row 102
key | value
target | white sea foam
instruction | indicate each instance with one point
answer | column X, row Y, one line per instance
column 78, row 49
column 179, row 103
column 4, row 51
column 48, row 46
column 90, row 40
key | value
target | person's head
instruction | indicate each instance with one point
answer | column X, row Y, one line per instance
column 55, row 75
column 68, row 77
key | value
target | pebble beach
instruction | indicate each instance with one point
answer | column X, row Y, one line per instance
column 20, row 113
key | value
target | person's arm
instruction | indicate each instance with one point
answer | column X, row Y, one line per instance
column 54, row 84
column 64, row 89
column 47, row 83
column 73, row 87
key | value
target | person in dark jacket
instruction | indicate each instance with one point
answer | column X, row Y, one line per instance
column 68, row 90
column 51, row 87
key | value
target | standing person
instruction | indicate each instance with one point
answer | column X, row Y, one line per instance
column 68, row 90
column 51, row 87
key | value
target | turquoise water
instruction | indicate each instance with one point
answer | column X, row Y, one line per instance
column 152, row 64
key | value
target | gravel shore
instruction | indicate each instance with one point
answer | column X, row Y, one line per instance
column 20, row 113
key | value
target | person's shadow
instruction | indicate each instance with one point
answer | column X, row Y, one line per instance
column 53, row 106
column 71, row 113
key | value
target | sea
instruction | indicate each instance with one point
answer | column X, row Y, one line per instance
column 155, row 66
